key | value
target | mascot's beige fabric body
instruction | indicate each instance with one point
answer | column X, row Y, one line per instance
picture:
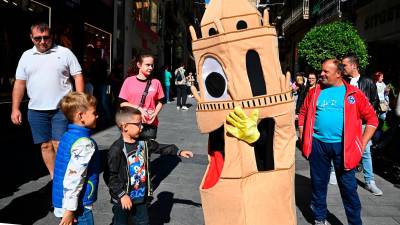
column 238, row 66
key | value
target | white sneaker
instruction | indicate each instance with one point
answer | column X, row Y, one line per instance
column 332, row 178
column 374, row 189
column 184, row 108
column 320, row 222
column 178, row 108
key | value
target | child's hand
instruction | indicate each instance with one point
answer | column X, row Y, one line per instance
column 186, row 154
column 126, row 202
column 68, row 218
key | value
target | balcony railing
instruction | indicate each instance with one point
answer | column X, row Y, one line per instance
column 326, row 5
column 326, row 10
column 301, row 11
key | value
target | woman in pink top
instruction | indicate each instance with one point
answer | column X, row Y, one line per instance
column 132, row 92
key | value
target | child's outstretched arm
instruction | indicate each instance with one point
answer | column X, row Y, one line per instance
column 81, row 153
column 167, row 149
column 185, row 154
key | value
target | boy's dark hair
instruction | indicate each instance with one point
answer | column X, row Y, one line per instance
column 124, row 114
column 76, row 101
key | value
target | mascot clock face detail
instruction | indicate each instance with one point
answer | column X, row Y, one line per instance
column 246, row 106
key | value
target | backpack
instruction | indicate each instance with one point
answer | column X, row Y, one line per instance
column 179, row 76
column 179, row 80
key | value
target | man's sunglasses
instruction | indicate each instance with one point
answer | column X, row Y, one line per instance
column 39, row 38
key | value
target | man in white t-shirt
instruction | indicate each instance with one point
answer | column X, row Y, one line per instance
column 44, row 71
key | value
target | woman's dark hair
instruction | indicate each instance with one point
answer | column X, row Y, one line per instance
column 133, row 69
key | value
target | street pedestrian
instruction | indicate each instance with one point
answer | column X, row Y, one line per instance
column 181, row 88
column 397, row 110
column 312, row 81
column 301, row 90
column 190, row 82
column 368, row 87
column 45, row 71
column 330, row 130
column 116, row 80
column 383, row 95
column 127, row 168
column 99, row 78
column 78, row 164
column 143, row 92
column 167, row 83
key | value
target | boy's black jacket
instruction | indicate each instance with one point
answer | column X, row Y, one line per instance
column 115, row 173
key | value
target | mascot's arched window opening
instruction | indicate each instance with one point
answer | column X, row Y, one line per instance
column 241, row 25
column 255, row 73
column 264, row 146
column 212, row 31
column 214, row 80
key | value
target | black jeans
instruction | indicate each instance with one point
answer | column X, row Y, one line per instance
column 181, row 95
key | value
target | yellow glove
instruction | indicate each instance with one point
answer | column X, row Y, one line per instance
column 243, row 127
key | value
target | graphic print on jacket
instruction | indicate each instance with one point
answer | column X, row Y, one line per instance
column 137, row 174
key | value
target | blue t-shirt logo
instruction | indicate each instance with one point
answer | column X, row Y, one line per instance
column 351, row 99
column 329, row 114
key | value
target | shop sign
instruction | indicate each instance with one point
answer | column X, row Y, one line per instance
column 379, row 20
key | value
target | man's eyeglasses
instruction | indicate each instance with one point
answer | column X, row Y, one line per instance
column 39, row 38
column 138, row 124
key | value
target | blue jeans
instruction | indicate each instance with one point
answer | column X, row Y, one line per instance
column 167, row 90
column 84, row 217
column 104, row 106
column 320, row 166
column 367, row 162
column 137, row 215
column 47, row 125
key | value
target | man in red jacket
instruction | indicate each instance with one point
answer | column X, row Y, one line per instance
column 330, row 130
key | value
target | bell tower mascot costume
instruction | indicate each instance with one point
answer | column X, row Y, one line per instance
column 246, row 106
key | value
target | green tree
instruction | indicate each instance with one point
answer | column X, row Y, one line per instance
column 332, row 40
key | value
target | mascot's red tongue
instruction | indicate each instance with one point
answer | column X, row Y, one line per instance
column 214, row 169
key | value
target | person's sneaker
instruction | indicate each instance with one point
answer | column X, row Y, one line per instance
column 184, row 108
column 178, row 108
column 332, row 178
column 320, row 222
column 371, row 186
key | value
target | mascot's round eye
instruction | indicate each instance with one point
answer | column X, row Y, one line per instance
column 215, row 84
column 214, row 80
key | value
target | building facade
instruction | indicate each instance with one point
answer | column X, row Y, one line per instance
column 376, row 21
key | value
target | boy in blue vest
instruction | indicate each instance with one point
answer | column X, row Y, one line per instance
column 77, row 165
column 127, row 161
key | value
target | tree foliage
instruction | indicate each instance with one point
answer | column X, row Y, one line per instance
column 332, row 40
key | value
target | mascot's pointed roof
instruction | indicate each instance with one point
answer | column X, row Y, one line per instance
column 218, row 9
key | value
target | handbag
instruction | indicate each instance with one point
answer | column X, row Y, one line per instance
column 383, row 106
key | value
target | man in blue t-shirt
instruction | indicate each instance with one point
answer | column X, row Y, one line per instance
column 329, row 108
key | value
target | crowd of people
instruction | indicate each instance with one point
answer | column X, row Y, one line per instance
column 341, row 115
column 62, row 120
column 331, row 116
